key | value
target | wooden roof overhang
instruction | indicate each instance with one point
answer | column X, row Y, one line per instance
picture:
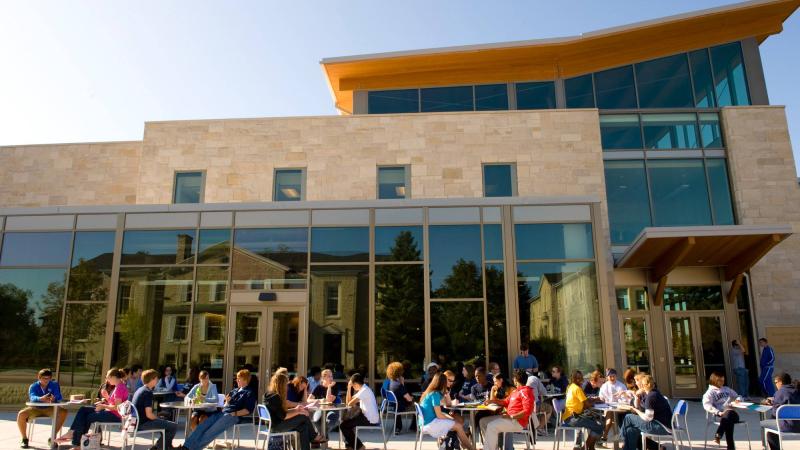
column 734, row 248
column 546, row 59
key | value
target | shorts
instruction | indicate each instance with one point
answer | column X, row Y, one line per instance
column 38, row 412
column 438, row 427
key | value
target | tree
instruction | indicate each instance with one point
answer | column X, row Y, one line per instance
column 458, row 326
column 87, row 282
column 49, row 330
column 17, row 326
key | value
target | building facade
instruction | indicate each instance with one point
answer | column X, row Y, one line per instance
column 626, row 198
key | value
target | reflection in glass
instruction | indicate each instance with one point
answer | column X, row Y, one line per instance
column 703, row 82
column 558, row 309
column 637, row 352
column 402, row 243
column 215, row 247
column 32, row 301
column 451, row 98
column 208, row 337
column 391, row 182
column 690, row 298
column 628, row 202
column 615, row 89
column 668, row 131
column 710, row 133
column 554, row 240
column 455, row 261
column 82, row 345
column 536, row 95
column 288, row 185
column 720, row 191
column 496, row 314
column 729, row 75
column 491, row 97
column 493, row 242
column 90, row 274
column 498, row 180
column 579, row 92
column 620, row 132
column 35, row 249
column 394, row 101
column 684, row 363
column 212, row 285
column 711, row 343
column 248, row 340
column 285, row 340
column 188, row 187
column 346, row 244
column 664, row 83
column 632, row 299
column 457, row 333
column 679, row 192
column 270, row 258
column 399, row 317
column 158, row 247
column 341, row 340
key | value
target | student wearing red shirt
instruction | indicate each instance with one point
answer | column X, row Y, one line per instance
column 519, row 407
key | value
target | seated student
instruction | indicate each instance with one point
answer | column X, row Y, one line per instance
column 576, row 402
column 314, row 377
column 134, row 380
column 611, row 391
column 716, row 401
column 465, row 394
column 45, row 390
column 394, row 374
column 591, row 387
column 148, row 420
column 297, row 391
column 436, row 422
column 359, row 394
column 494, row 371
column 558, row 380
column 286, row 419
column 168, row 383
column 103, row 411
column 431, row 370
column 519, row 407
column 203, row 392
column 239, row 403
column 787, row 394
column 328, row 391
column 629, row 378
column 480, row 390
column 652, row 413
column 191, row 380
column 545, row 408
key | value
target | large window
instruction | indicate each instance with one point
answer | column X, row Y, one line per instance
column 395, row 101
column 620, row 132
column 579, row 91
column 158, row 247
column 615, row 88
column 270, row 258
column 536, row 95
column 188, row 187
column 664, row 83
column 491, row 97
column 499, row 180
column 679, row 131
column 35, row 249
column 454, row 98
column 455, row 262
column 398, row 243
column 729, row 75
column 628, row 200
column 289, row 185
column 393, row 182
column 345, row 244
column 90, row 273
column 668, row 131
column 679, row 191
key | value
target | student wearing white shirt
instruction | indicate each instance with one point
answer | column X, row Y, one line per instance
column 612, row 390
column 358, row 392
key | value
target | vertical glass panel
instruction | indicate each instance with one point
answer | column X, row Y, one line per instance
column 32, row 301
column 493, row 242
column 703, row 81
column 620, row 131
column 711, row 342
column 152, row 325
column 690, row 298
column 451, row 98
column 498, row 180
column 455, row 261
column 496, row 314
column 637, row 352
column 394, row 101
column 579, row 92
column 188, row 187
column 399, row 317
column 628, row 202
column 270, row 258
column 340, row 244
column 90, row 274
column 667, row 131
column 212, row 285
column 288, row 185
column 35, row 249
column 536, row 95
column 730, row 80
column 679, row 192
column 248, row 340
column 391, row 182
column 398, row 243
column 208, row 338
column 491, row 97
column 615, row 89
column 632, row 299
column 341, row 340
column 558, row 309
column 285, row 341
column 710, row 132
column 457, row 333
column 664, row 83
column 553, row 240
column 215, row 247
column 158, row 247
column 684, row 362
column 82, row 345
column 720, row 191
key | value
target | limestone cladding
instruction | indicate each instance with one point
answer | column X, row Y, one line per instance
column 765, row 191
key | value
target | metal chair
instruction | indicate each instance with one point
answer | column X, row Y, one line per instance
column 714, row 420
column 529, row 432
column 674, row 433
column 130, row 427
column 32, row 424
column 558, row 411
column 265, row 421
column 236, row 433
column 788, row 413
column 393, row 408
column 379, row 426
column 420, row 423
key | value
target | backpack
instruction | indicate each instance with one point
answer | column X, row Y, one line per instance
column 91, row 440
column 451, row 442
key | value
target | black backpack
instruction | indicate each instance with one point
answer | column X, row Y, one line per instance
column 451, row 442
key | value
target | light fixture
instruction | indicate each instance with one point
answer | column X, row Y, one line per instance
column 400, row 191
column 290, row 192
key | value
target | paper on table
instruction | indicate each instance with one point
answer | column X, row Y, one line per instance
column 490, row 407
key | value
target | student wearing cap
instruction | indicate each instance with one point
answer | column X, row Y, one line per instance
column 430, row 370
column 611, row 391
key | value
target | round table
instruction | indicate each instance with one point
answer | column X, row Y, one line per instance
column 472, row 409
column 615, row 409
column 325, row 409
column 188, row 407
column 55, row 406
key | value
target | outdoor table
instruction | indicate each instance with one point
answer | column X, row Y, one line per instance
column 762, row 411
column 325, row 408
column 55, row 406
column 188, row 407
column 615, row 409
column 472, row 408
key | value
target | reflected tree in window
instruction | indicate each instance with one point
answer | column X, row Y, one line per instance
column 464, row 281
column 457, row 332
column 88, row 282
column 17, row 326
column 83, row 341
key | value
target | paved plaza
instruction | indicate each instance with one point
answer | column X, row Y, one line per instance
column 9, row 438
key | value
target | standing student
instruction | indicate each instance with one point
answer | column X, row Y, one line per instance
column 739, row 368
column 526, row 361
column 717, row 401
column 148, row 420
column 44, row 390
column 359, row 394
column 787, row 394
column 767, row 367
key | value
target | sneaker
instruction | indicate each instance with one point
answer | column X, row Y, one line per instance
column 24, row 443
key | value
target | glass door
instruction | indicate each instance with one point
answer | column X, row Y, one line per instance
column 696, row 351
column 635, row 335
column 283, row 346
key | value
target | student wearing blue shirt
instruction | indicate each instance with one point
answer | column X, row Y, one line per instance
column 526, row 361
column 767, row 367
column 44, row 391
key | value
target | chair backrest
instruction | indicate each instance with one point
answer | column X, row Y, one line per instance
column 558, row 406
column 420, row 416
column 680, row 408
column 263, row 419
column 788, row 412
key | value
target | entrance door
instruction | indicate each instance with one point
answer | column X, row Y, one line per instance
column 696, row 351
column 635, row 333
column 266, row 337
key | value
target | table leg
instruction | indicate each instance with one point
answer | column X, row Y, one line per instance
column 472, row 428
column 324, row 419
column 52, row 442
column 186, row 427
column 616, row 430
column 762, row 416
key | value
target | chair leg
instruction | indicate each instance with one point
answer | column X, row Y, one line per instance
column 749, row 441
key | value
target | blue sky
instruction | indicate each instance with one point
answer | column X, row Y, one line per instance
column 97, row 70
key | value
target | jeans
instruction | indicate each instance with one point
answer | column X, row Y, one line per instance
column 595, row 429
column 161, row 424
column 632, row 428
column 331, row 419
column 300, row 423
column 348, row 430
column 84, row 419
column 742, row 381
column 726, row 424
column 492, row 427
column 765, row 379
column 212, row 427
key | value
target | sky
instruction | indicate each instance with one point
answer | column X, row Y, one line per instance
column 88, row 71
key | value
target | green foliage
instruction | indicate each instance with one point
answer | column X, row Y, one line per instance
column 548, row 351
